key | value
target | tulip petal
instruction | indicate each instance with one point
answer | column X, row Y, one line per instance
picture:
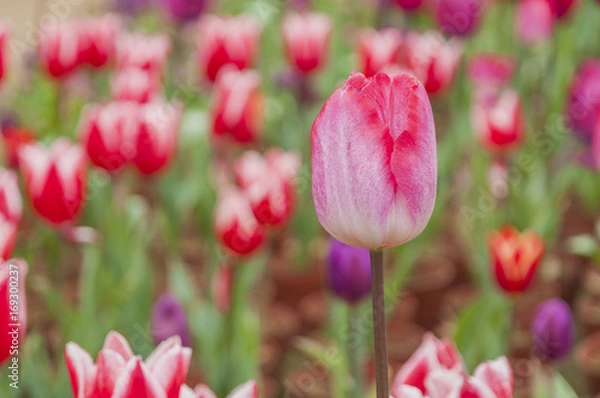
column 246, row 390
column 497, row 375
column 116, row 342
column 81, row 370
column 110, row 365
column 137, row 382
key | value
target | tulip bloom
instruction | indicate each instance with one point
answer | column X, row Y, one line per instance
column 119, row 373
column 4, row 36
column 246, row 390
column 459, row 17
column 136, row 85
column 184, row 10
column 491, row 70
column 433, row 60
column 59, row 49
column 55, row 179
column 348, row 271
column 583, row 104
column 237, row 108
column 553, row 330
column 436, row 370
column 11, row 210
column 227, row 41
column 12, row 289
column 515, row 258
column 562, row 8
column 374, row 161
column 498, row 122
column 145, row 52
column 409, row 5
column 98, row 40
column 378, row 51
column 535, row 21
column 235, row 224
column 169, row 319
column 306, row 39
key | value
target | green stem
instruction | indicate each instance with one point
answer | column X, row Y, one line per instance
column 379, row 332
column 354, row 361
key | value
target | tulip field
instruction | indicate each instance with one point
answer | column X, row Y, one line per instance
column 295, row 198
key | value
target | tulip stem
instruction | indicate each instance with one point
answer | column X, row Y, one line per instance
column 379, row 333
column 354, row 350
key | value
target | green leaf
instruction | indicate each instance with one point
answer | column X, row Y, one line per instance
column 547, row 383
column 583, row 245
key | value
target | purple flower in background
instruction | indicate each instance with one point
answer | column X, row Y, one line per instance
column 584, row 100
column 459, row 17
column 348, row 271
column 131, row 6
column 184, row 10
column 169, row 319
column 553, row 330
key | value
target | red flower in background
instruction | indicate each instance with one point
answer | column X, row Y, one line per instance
column 98, row 40
column 59, row 49
column 378, row 51
column 55, row 179
column 562, row 8
column 535, row 21
column 235, row 224
column 409, row 5
column 515, row 257
column 306, row 39
column 498, row 121
column 9, row 272
column 4, row 36
column 432, row 60
column 227, row 41
column 237, row 108
column 14, row 139
column 11, row 210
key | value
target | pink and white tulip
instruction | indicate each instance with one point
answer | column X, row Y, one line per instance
column 535, row 21
column 246, row 390
column 11, row 210
column 145, row 52
column 378, row 50
column 136, row 85
column 374, row 161
column 98, row 40
column 59, row 49
column 306, row 40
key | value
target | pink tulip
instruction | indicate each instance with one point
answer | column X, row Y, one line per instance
column 246, row 390
column 107, row 133
column 143, row 52
column 55, row 179
column 13, row 317
column 535, row 21
column 306, row 40
column 433, row 60
column 227, row 41
column 491, row 70
column 11, row 209
column 59, row 49
column 136, row 85
column 374, row 161
column 459, row 17
column 499, row 122
column 236, row 226
column 98, row 40
column 118, row 373
column 583, row 103
column 237, row 108
column 4, row 50
column 409, row 5
column 378, row 51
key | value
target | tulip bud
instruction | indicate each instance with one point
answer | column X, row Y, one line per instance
column 4, row 36
column 515, row 258
column 156, row 138
column 459, row 17
column 553, row 330
column 13, row 307
column 136, row 85
column 55, row 179
column 583, row 103
column 535, row 21
column 227, row 41
column 98, row 40
column 374, row 161
column 59, row 49
column 306, row 39
column 145, row 52
column 348, row 271
column 170, row 319
column 184, row 10
column 235, row 224
column 107, row 133
column 409, row 5
column 433, row 60
column 237, row 108
column 498, row 122
column 562, row 8
column 378, row 51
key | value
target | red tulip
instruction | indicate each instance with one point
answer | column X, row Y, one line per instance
column 375, row 136
column 459, row 17
column 98, row 40
column 563, row 7
column 14, row 139
column 13, row 310
column 515, row 257
column 491, row 70
column 498, row 121
column 117, row 373
column 59, row 49
column 535, row 21
column 246, row 390
column 107, row 133
column 306, row 39
column 8, row 237
column 11, row 209
column 136, row 85
column 237, row 106
column 583, row 104
column 4, row 50
column 156, row 138
column 378, row 51
column 145, row 52
column 235, row 224
column 55, row 179
column 409, row 5
column 433, row 60
column 227, row 41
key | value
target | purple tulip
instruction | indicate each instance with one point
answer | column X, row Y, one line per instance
column 459, row 17
column 184, row 10
column 169, row 319
column 584, row 100
column 553, row 330
column 348, row 271
column 131, row 7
